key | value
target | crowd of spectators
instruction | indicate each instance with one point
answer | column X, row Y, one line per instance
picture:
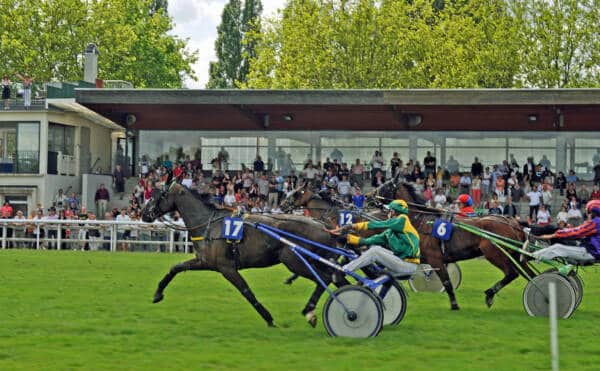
column 495, row 189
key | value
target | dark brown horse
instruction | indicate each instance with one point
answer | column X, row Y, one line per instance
column 255, row 250
column 463, row 245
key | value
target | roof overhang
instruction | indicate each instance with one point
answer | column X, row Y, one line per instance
column 411, row 109
column 70, row 105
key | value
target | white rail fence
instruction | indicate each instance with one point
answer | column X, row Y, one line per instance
column 48, row 234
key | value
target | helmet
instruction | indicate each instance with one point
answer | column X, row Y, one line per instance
column 593, row 204
column 399, row 206
column 465, row 199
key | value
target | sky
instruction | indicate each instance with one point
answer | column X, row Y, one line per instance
column 197, row 20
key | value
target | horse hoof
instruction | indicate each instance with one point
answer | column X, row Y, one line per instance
column 272, row 325
column 312, row 321
column 489, row 301
column 157, row 298
column 454, row 307
column 287, row 282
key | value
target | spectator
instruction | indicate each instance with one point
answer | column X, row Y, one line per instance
column 439, row 177
column 547, row 198
column 61, row 201
column 122, row 230
column 494, row 209
column 571, row 178
column 561, row 182
column 543, row 216
column 597, row 170
column 51, row 229
column 19, row 229
column 358, row 199
column 516, row 193
column 259, row 165
column 344, row 188
column 6, row 91
column 102, row 198
column 571, row 192
column 574, row 214
column 119, row 180
column 38, row 233
column 562, row 215
column 486, row 182
column 476, row 189
column 376, row 165
column 379, row 179
column 529, row 167
column 535, row 198
column 395, row 164
column 439, row 200
column 229, row 199
column 510, row 209
column 476, row 168
column 430, row 163
column 27, row 84
column 93, row 233
column 73, row 201
column 452, row 165
column 82, row 235
column 465, row 183
column 595, row 193
column 584, row 195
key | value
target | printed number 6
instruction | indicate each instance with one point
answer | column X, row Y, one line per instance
column 441, row 231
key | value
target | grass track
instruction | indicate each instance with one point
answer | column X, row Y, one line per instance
column 80, row 310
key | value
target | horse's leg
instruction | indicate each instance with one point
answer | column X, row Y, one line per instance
column 192, row 264
column 498, row 259
column 432, row 254
column 239, row 282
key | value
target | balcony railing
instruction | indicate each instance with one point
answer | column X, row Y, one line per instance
column 21, row 162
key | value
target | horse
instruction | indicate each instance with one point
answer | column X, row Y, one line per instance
column 462, row 245
column 255, row 250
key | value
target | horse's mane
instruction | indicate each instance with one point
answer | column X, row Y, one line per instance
column 417, row 198
column 206, row 198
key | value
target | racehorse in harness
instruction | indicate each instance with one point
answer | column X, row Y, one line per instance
column 253, row 250
column 462, row 245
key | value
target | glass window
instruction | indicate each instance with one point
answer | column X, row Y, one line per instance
column 471, row 142
column 61, row 138
column 357, row 140
column 531, row 142
column 395, row 142
column 28, row 147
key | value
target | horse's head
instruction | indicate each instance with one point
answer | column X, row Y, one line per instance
column 161, row 203
column 392, row 190
column 299, row 197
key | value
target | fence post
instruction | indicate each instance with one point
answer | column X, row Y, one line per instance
column 171, row 240
column 4, row 232
column 37, row 236
column 113, row 238
column 58, row 236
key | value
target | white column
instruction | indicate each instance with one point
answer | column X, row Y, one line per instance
column 44, row 145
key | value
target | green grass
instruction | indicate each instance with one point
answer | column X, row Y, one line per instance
column 80, row 310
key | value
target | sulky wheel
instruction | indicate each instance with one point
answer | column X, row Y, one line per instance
column 428, row 280
column 536, row 300
column 576, row 282
column 354, row 312
column 394, row 302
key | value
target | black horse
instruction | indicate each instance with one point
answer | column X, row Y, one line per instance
column 255, row 250
column 463, row 245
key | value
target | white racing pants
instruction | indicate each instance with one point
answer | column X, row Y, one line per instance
column 558, row 250
column 385, row 257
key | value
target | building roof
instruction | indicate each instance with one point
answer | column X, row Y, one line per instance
column 409, row 109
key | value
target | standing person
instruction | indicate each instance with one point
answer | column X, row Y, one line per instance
column 376, row 165
column 27, row 83
column 357, row 173
column 101, row 198
column 344, row 188
column 122, row 230
column 19, row 230
column 94, row 234
column 476, row 190
column 6, row 91
column 51, row 229
column 7, row 213
column 430, row 163
column 510, row 209
column 476, row 168
column 543, row 216
column 61, row 201
column 535, row 198
column 38, row 233
column 395, row 164
column 358, row 199
column 561, row 182
column 119, row 180
column 465, row 183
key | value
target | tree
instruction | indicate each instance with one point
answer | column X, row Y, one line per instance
column 233, row 50
column 386, row 44
column 46, row 39
column 561, row 43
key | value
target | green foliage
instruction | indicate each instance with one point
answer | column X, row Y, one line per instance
column 427, row 44
column 46, row 39
column 73, row 310
column 234, row 50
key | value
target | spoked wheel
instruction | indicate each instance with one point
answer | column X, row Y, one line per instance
column 364, row 315
column 536, row 299
column 575, row 281
column 394, row 303
column 428, row 280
